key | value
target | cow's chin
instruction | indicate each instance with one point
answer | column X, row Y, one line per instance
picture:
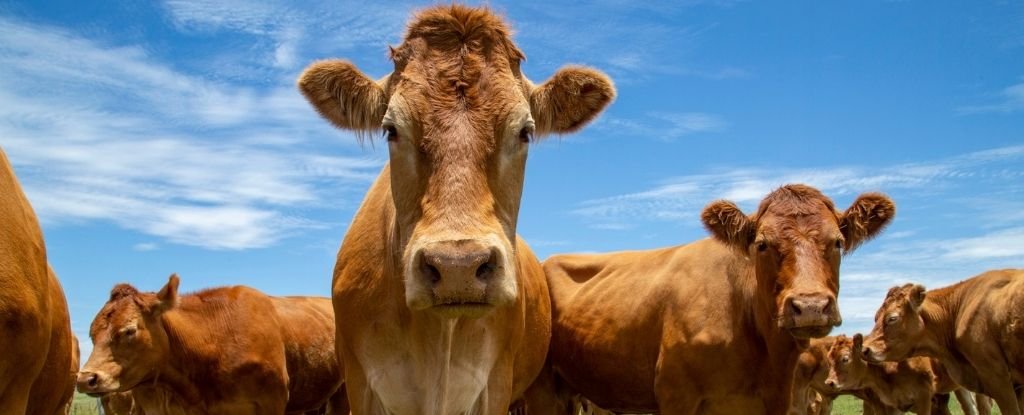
column 463, row 310
column 810, row 332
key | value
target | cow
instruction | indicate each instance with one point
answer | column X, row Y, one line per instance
column 120, row 403
column 227, row 350
column 34, row 322
column 811, row 396
column 975, row 328
column 446, row 308
column 712, row 326
column 907, row 385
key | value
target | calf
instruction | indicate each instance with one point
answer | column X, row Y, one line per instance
column 230, row 350
column 975, row 328
column 713, row 326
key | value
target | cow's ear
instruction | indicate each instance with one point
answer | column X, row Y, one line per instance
column 728, row 224
column 866, row 218
column 344, row 95
column 573, row 97
column 916, row 296
column 168, row 296
column 858, row 344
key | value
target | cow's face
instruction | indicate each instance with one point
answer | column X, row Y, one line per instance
column 458, row 116
column 129, row 339
column 795, row 242
column 846, row 368
column 898, row 325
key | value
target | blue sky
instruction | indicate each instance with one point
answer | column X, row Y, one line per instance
column 169, row 137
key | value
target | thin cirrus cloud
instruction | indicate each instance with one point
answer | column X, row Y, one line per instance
column 1008, row 100
column 118, row 136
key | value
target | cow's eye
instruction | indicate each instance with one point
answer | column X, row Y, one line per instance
column 892, row 319
column 391, row 133
column 846, row 359
column 130, row 332
column 762, row 246
column 526, row 134
column 839, row 244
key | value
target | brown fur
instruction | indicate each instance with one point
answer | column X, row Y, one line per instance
column 120, row 403
column 230, row 350
column 809, row 381
column 699, row 324
column 907, row 385
column 975, row 328
column 459, row 115
column 34, row 320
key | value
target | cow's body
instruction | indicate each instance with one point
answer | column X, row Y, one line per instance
column 34, row 320
column 229, row 350
column 416, row 363
column 714, row 326
column 974, row 328
column 445, row 309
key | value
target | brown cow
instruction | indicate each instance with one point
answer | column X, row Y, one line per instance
column 975, row 328
column 713, row 326
column 446, row 308
column 811, row 396
column 34, row 322
column 229, row 350
column 120, row 403
column 907, row 385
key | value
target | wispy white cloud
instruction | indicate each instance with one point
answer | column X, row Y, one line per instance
column 146, row 246
column 663, row 125
column 681, row 198
column 1008, row 100
column 106, row 132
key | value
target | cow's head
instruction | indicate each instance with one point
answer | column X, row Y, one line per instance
column 846, row 368
column 898, row 325
column 458, row 116
column 795, row 241
column 129, row 339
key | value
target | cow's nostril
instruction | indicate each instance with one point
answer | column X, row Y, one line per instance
column 483, row 272
column 431, row 273
column 93, row 380
column 796, row 307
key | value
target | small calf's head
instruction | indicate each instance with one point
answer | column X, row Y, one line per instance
column 898, row 325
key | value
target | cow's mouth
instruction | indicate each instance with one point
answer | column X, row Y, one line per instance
column 455, row 309
column 810, row 332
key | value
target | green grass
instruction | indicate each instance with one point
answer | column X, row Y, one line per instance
column 84, row 405
column 848, row 405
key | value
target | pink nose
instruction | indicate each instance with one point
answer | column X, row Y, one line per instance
column 457, row 271
column 812, row 310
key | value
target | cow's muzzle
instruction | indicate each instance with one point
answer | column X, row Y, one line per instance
column 810, row 315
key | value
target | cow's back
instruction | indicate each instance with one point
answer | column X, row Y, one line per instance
column 307, row 326
column 632, row 306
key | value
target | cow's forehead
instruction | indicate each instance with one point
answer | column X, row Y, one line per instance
column 115, row 314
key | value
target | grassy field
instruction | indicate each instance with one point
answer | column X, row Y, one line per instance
column 85, row 405
column 848, row 405
column 845, row 405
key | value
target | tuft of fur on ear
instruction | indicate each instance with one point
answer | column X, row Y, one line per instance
column 574, row 96
column 168, row 295
column 122, row 290
column 343, row 95
column 728, row 224
column 916, row 295
column 866, row 218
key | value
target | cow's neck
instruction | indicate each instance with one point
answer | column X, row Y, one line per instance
column 880, row 379
column 170, row 383
column 939, row 315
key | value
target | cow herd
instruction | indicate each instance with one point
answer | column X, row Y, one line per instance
column 438, row 307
